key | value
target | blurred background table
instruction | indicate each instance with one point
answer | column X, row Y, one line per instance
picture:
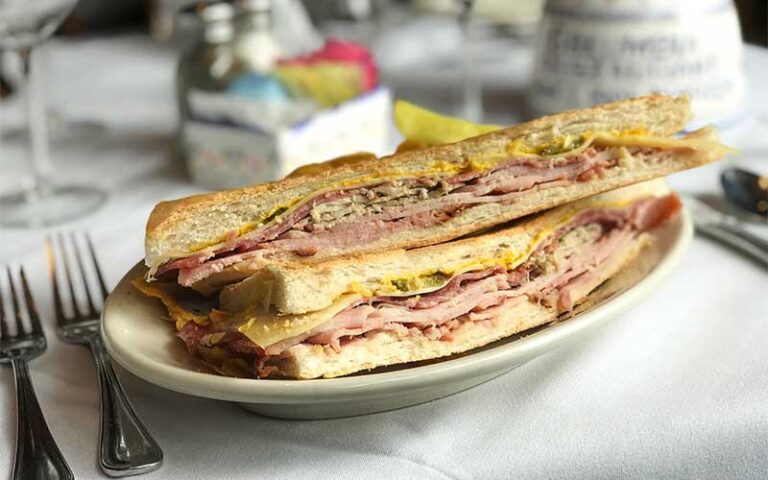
column 675, row 389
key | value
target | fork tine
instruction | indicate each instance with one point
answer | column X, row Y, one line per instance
column 34, row 319
column 3, row 322
column 57, row 303
column 15, row 302
column 68, row 275
column 102, row 284
column 79, row 259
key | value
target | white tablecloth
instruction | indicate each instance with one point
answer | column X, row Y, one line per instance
column 677, row 388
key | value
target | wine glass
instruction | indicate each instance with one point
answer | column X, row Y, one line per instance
column 25, row 24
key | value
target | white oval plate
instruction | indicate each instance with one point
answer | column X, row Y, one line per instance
column 138, row 338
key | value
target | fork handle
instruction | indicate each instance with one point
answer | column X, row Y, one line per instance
column 37, row 455
column 125, row 445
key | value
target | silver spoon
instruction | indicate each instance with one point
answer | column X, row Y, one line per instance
column 746, row 190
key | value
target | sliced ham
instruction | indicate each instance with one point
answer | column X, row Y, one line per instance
column 473, row 292
column 348, row 218
column 650, row 213
column 191, row 334
column 190, row 276
column 454, row 286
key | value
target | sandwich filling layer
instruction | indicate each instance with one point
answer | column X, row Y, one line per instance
column 347, row 218
column 554, row 276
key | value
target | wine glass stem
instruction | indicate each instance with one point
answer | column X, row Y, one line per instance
column 36, row 123
column 472, row 90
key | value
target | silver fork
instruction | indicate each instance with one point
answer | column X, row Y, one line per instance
column 37, row 455
column 125, row 445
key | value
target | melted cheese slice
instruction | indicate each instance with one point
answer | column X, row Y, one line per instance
column 180, row 311
column 264, row 327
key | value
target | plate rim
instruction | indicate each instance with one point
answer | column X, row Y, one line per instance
column 378, row 385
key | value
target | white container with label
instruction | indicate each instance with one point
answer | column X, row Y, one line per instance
column 233, row 147
column 596, row 51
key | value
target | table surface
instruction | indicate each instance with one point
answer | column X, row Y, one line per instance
column 677, row 388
